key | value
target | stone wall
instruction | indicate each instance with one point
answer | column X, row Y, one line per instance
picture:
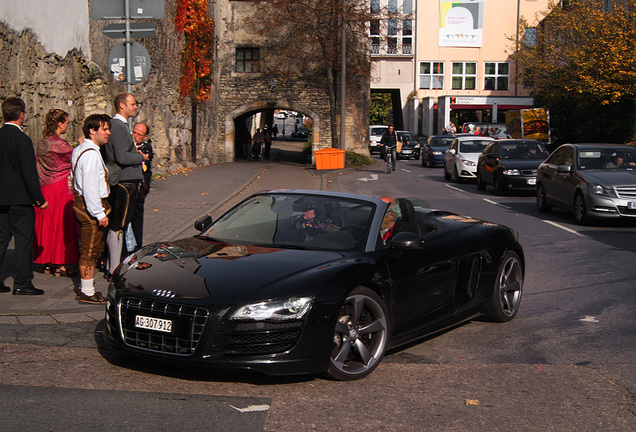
column 81, row 87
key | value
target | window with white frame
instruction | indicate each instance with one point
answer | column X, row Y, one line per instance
column 375, row 6
column 464, row 76
column 407, row 36
column 431, row 75
column 496, row 75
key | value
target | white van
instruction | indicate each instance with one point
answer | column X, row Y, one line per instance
column 375, row 135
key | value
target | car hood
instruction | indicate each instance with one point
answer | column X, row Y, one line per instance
column 197, row 268
column 439, row 148
column 613, row 177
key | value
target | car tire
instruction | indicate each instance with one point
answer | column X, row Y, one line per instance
column 480, row 184
column 361, row 336
column 447, row 176
column 499, row 189
column 542, row 204
column 580, row 210
column 508, row 289
column 456, row 177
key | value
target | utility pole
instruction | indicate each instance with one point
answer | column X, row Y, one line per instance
column 343, row 79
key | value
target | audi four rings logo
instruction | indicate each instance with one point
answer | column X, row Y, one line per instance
column 164, row 293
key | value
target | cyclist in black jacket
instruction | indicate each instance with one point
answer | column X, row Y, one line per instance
column 389, row 141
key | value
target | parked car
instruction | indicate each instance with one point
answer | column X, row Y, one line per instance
column 510, row 164
column 434, row 149
column 460, row 160
column 375, row 134
column 592, row 180
column 410, row 146
column 267, row 288
column 301, row 132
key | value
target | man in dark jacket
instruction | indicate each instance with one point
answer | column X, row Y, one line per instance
column 121, row 149
column 19, row 192
column 389, row 141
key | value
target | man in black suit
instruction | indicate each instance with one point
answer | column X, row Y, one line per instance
column 19, row 192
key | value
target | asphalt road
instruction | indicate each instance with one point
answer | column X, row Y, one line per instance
column 566, row 363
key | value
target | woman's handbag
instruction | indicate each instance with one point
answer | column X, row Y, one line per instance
column 114, row 173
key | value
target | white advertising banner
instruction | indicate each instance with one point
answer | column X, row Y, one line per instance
column 461, row 23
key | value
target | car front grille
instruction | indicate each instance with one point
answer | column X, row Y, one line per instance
column 626, row 192
column 188, row 323
column 257, row 338
column 529, row 172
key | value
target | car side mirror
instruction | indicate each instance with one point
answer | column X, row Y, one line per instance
column 203, row 222
column 407, row 241
column 564, row 168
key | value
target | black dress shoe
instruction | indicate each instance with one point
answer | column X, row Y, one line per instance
column 4, row 288
column 27, row 291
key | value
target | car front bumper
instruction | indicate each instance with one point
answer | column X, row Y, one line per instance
column 610, row 208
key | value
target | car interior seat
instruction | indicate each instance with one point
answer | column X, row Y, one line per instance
column 407, row 222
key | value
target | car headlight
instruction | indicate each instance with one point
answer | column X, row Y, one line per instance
column 437, row 153
column 468, row 162
column 288, row 309
column 512, row 172
column 603, row 190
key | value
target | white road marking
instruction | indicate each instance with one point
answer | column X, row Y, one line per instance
column 496, row 203
column 373, row 177
column 570, row 230
column 252, row 408
column 454, row 188
column 589, row 318
column 405, row 170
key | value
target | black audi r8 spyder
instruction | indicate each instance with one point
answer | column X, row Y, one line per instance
column 312, row 282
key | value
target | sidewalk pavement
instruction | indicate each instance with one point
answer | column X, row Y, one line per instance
column 174, row 203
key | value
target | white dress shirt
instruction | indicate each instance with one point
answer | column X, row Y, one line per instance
column 89, row 177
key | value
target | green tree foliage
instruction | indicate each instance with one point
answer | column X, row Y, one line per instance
column 379, row 110
column 583, row 68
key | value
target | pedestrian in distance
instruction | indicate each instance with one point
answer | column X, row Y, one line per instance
column 19, row 193
column 141, row 135
column 267, row 136
column 259, row 140
column 121, row 150
column 56, row 244
column 91, row 209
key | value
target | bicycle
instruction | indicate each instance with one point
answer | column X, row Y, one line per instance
column 389, row 159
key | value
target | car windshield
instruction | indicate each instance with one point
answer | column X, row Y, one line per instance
column 441, row 141
column 522, row 150
column 607, row 159
column 297, row 221
column 407, row 136
column 378, row 130
column 473, row 146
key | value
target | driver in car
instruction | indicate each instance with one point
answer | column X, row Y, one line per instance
column 313, row 222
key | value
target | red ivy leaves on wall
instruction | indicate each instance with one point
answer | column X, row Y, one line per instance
column 194, row 23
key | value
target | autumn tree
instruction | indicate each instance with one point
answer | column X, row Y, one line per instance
column 304, row 42
column 194, row 24
column 582, row 66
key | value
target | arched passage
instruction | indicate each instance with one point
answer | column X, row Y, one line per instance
column 235, row 121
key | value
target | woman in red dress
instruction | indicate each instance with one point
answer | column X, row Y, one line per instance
column 56, row 243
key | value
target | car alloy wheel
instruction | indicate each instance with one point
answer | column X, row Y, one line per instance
column 508, row 289
column 580, row 210
column 360, row 337
column 542, row 205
